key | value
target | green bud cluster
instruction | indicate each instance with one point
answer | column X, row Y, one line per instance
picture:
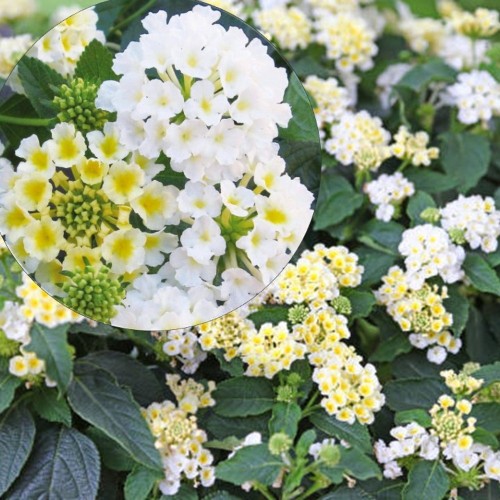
column 8, row 347
column 82, row 210
column 297, row 314
column 93, row 292
column 342, row 305
column 330, row 455
column 286, row 393
column 431, row 215
column 76, row 104
column 457, row 236
column 280, row 443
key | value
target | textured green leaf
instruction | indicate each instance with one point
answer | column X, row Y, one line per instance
column 95, row 64
column 487, row 416
column 356, row 434
column 251, row 463
column 465, row 157
column 8, row 385
column 17, row 435
column 346, row 493
column 411, row 393
column 51, row 406
column 483, row 436
column 429, row 181
column 382, row 236
column 39, row 81
column 362, row 302
column 481, row 274
column 113, row 456
column 140, row 482
column 243, row 396
column 358, row 465
column 489, row 373
column 64, row 464
column 390, row 348
column 286, row 417
column 418, row 77
column 97, row 398
column 51, row 345
column 426, row 480
column 376, row 264
column 458, row 306
column 480, row 344
column 223, row 427
column 422, row 417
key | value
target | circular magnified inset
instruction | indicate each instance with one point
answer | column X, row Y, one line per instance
column 159, row 173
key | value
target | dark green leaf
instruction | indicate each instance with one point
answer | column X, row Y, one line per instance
column 415, row 364
column 382, row 236
column 391, row 348
column 346, row 493
column 269, row 314
column 358, row 465
column 17, row 434
column 140, row 482
column 481, row 274
column 407, row 416
column 429, row 181
column 362, row 302
column 38, row 81
column 8, row 385
column 417, row 204
column 411, row 393
column 489, row 373
column 480, row 344
column 95, row 64
column 51, row 345
column 251, row 463
column 286, row 417
column 243, row 396
column 426, row 480
column 465, row 158
column 235, row 367
column 487, row 416
column 64, row 464
column 304, row 443
column 222, row 427
column 376, row 264
column 97, row 398
column 129, row 373
column 458, row 306
column 418, row 77
column 113, row 456
column 51, row 406
column 483, row 436
column 356, row 434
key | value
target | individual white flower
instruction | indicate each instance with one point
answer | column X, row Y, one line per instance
column 492, row 466
column 67, row 147
column 223, row 141
column 197, row 199
column 237, row 199
column 203, row 240
column 123, row 182
column 37, row 158
column 33, row 191
column 162, row 100
column 392, row 470
column 106, row 145
column 124, row 250
column 205, row 104
column 158, row 244
column 44, row 239
column 185, row 140
column 188, row 271
column 436, row 354
column 238, row 287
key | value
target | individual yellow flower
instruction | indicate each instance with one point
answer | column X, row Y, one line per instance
column 44, row 239
column 75, row 258
column 33, row 191
column 67, row 146
column 92, row 171
column 14, row 219
column 124, row 250
column 18, row 366
column 123, row 182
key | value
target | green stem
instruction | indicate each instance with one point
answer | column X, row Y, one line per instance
column 34, row 122
column 136, row 14
column 262, row 490
column 313, row 489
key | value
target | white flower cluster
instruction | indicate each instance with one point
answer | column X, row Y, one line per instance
column 411, row 439
column 10, row 11
column 211, row 116
column 182, row 345
column 289, row 26
column 473, row 218
column 360, row 139
column 11, row 50
column 413, row 148
column 476, row 95
column 63, row 45
column 387, row 193
column 178, row 438
column 430, row 252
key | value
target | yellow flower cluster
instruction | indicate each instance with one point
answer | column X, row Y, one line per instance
column 271, row 349
column 413, row 147
column 348, row 39
column 423, row 34
column 190, row 394
column 39, row 306
column 463, row 383
column 481, row 23
column 27, row 365
column 290, row 27
column 449, row 422
column 318, row 276
column 331, row 100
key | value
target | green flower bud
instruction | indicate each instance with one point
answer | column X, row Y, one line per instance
column 342, row 305
column 431, row 215
column 297, row 314
column 286, row 393
column 330, row 455
column 76, row 104
column 280, row 443
column 457, row 236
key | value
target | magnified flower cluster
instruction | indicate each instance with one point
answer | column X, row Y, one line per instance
column 92, row 209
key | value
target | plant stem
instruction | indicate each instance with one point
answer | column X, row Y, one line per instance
column 136, row 14
column 262, row 490
column 35, row 122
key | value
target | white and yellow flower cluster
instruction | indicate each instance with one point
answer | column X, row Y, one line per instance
column 11, row 50
column 413, row 148
column 314, row 331
column 178, row 437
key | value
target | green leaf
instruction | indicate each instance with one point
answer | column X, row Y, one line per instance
column 346, row 493
column 51, row 406
column 17, row 435
column 416, row 365
column 362, row 302
column 243, row 396
column 489, row 373
column 417, row 204
column 356, row 435
column 358, row 465
column 113, row 456
column 222, row 427
column 186, row 492
column 286, row 418
column 390, row 348
column 251, row 463
column 64, row 464
column 481, row 274
column 51, row 345
column 39, row 80
column 407, row 416
column 411, row 393
column 483, row 436
column 130, row 373
column 426, row 480
column 418, row 77
column 458, row 306
column 487, row 416
column 337, row 200
column 465, row 158
column 95, row 64
column 304, row 443
column 269, row 314
column 97, row 398
column 376, row 264
column 430, row 181
column 382, row 236
column 235, row 367
column 140, row 482
column 490, row 491
column 8, row 385
column 480, row 344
